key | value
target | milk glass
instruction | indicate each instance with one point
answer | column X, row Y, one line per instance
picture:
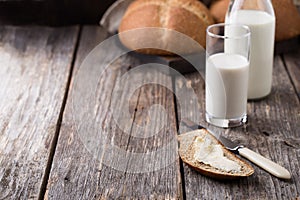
column 227, row 72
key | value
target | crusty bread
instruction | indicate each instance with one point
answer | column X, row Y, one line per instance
column 187, row 152
column 218, row 10
column 287, row 19
column 287, row 16
column 189, row 17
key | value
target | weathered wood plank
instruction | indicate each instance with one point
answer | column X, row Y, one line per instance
column 273, row 130
column 34, row 68
column 292, row 63
column 105, row 149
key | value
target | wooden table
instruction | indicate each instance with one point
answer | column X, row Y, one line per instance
column 44, row 153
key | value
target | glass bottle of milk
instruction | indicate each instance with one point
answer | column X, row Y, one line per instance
column 259, row 16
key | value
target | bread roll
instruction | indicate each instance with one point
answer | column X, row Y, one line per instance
column 189, row 17
column 218, row 10
column 287, row 17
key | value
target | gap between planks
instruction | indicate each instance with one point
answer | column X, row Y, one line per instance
column 177, row 129
column 285, row 63
column 42, row 192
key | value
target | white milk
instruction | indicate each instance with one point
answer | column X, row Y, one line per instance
column 262, row 26
column 226, row 85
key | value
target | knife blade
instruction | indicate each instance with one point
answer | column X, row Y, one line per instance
column 261, row 161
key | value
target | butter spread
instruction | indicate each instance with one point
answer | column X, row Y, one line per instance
column 213, row 155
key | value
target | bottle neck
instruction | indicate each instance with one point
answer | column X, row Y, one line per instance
column 262, row 5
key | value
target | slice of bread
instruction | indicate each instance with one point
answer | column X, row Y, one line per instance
column 187, row 151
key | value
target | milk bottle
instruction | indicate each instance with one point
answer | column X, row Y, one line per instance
column 258, row 15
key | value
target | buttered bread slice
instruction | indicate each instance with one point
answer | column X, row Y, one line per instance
column 204, row 153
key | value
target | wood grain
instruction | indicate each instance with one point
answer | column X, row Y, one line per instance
column 97, row 157
column 292, row 64
column 273, row 131
column 34, row 67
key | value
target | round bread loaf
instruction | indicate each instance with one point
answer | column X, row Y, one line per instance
column 189, row 17
column 287, row 17
column 218, row 10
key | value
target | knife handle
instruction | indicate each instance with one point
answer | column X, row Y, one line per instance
column 265, row 163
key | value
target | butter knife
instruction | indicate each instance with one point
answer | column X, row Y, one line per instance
column 266, row 164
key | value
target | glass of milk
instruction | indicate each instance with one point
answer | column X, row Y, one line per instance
column 227, row 71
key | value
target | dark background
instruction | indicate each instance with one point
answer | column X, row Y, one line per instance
column 54, row 12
